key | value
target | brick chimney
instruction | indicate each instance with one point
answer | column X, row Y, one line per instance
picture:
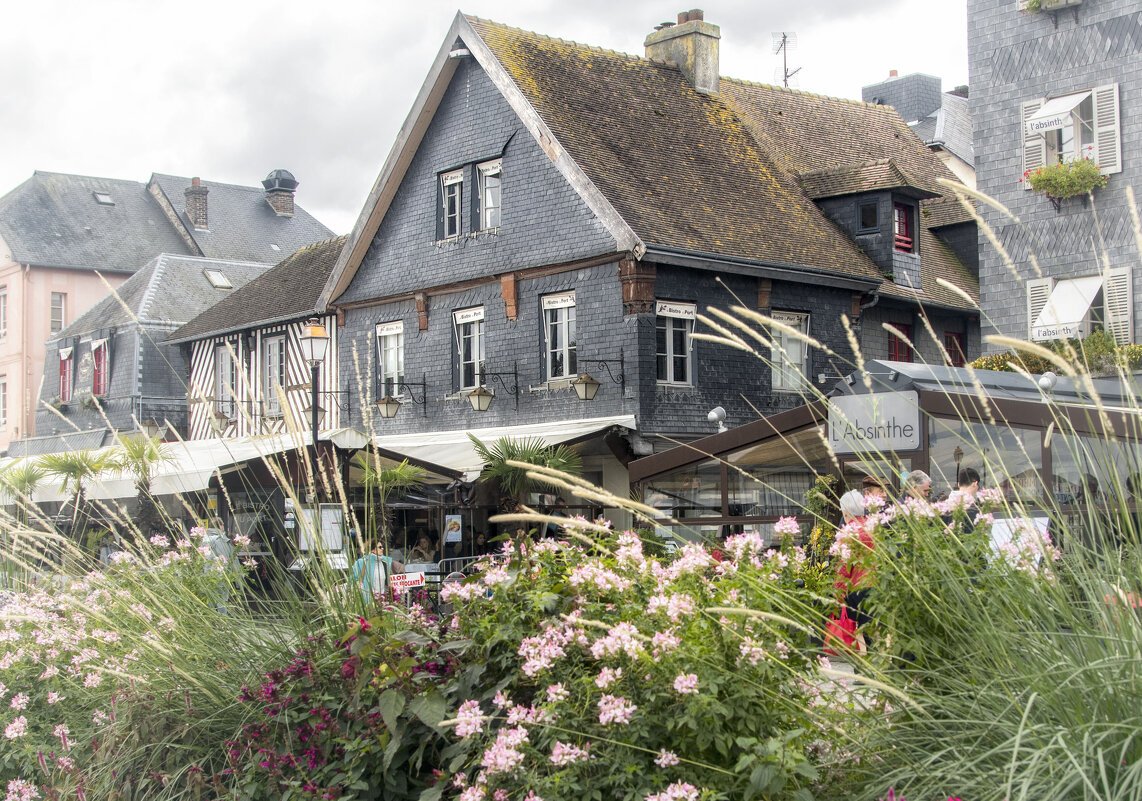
column 196, row 204
column 692, row 44
column 280, row 186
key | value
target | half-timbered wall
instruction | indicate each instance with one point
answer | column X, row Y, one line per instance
column 252, row 412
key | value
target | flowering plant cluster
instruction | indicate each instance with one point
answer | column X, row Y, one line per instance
column 607, row 671
column 348, row 718
column 85, row 671
column 934, row 565
column 1066, row 179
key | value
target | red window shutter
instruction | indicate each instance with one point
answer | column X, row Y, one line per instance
column 898, row 349
column 954, row 345
column 99, row 382
column 902, row 227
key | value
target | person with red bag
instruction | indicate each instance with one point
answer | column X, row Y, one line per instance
column 853, row 544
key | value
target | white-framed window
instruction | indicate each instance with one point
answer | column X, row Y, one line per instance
column 225, row 382
column 1080, row 124
column 451, row 193
column 1074, row 307
column 58, row 311
column 3, row 401
column 390, row 358
column 491, row 174
column 559, row 335
column 273, row 373
column 674, row 323
column 3, row 311
column 101, row 375
column 790, row 354
column 66, row 372
column 469, row 334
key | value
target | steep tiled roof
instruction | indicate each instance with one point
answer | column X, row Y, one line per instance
column 168, row 290
column 806, row 132
column 288, row 291
column 240, row 223
column 946, row 211
column 726, row 174
column 55, row 220
column 680, row 167
column 871, row 176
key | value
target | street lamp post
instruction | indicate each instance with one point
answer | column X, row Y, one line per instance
column 314, row 341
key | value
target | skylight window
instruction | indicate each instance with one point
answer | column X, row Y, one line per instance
column 274, row 247
column 217, row 279
column 103, row 199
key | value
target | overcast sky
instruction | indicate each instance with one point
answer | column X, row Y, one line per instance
column 232, row 90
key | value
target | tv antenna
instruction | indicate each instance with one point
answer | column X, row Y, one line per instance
column 783, row 42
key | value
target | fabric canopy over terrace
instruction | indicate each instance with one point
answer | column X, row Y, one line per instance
column 191, row 466
column 454, row 451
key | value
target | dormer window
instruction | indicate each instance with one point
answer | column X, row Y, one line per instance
column 903, row 228
column 868, row 217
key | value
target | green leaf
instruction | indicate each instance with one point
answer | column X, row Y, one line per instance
column 762, row 778
column 433, row 793
column 430, row 707
column 391, row 704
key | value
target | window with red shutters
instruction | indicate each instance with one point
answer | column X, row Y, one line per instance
column 101, row 379
column 898, row 349
column 65, row 376
column 902, row 228
column 954, row 345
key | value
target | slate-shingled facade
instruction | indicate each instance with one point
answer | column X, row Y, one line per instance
column 1089, row 53
column 146, row 379
column 636, row 201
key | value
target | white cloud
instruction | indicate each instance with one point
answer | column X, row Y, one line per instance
column 231, row 90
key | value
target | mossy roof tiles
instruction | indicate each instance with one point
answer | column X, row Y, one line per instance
column 726, row 174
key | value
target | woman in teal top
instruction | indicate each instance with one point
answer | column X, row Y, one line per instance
column 371, row 572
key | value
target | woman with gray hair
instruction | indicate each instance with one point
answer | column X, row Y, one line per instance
column 917, row 484
column 842, row 629
column 852, row 505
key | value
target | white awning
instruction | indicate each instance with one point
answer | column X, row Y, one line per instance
column 453, row 449
column 1055, row 113
column 192, row 464
column 1066, row 308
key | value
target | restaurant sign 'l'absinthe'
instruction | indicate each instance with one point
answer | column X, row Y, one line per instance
column 880, row 422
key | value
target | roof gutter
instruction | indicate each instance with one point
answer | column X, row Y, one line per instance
column 666, row 254
column 222, row 332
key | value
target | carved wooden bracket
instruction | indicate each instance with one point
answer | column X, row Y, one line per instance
column 637, row 279
column 764, row 289
column 421, row 310
column 510, row 290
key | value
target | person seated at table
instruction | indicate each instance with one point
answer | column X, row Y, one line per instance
column 424, row 551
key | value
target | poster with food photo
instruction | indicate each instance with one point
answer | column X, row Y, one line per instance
column 453, row 528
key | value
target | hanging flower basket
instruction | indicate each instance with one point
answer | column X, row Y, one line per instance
column 1065, row 180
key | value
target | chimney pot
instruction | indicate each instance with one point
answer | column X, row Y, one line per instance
column 692, row 44
column 280, row 186
column 893, row 74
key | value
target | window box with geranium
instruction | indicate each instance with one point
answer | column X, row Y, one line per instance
column 1066, row 179
column 1036, row 6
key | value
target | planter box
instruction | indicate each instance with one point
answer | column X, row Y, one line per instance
column 1056, row 5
